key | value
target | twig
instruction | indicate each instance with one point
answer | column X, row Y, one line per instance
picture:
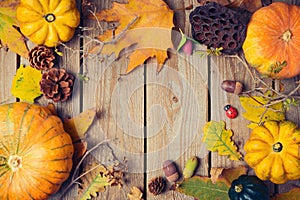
column 73, row 179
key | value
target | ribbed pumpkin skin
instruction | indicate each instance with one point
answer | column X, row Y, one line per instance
column 31, row 133
column 264, row 44
column 48, row 22
column 268, row 161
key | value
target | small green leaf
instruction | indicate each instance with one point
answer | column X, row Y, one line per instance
column 203, row 188
column 217, row 138
column 183, row 40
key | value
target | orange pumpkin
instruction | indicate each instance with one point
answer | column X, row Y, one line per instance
column 35, row 152
column 272, row 43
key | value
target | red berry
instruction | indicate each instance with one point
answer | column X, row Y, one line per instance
column 231, row 112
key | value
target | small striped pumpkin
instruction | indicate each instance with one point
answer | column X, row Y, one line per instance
column 35, row 152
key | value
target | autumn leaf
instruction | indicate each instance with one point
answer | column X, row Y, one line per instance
column 10, row 37
column 203, row 188
column 217, row 138
column 26, row 84
column 93, row 181
column 228, row 175
column 234, row 173
column 256, row 113
column 250, row 5
column 144, row 25
column 96, row 177
column 216, row 187
column 135, row 194
column 293, row 194
column 77, row 128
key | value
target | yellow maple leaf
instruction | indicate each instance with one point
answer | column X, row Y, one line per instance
column 26, row 84
column 257, row 113
column 217, row 138
column 144, row 25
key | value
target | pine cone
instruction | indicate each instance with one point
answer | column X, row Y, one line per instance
column 215, row 26
column 57, row 84
column 156, row 185
column 41, row 58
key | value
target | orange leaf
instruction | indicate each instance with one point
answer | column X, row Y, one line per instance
column 10, row 37
column 145, row 25
column 77, row 127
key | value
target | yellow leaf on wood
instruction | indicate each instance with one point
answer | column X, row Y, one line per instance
column 217, row 138
column 26, row 84
column 144, row 24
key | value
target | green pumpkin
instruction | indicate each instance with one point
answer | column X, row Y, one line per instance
column 248, row 188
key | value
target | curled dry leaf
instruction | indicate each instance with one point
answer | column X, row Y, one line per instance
column 135, row 194
column 10, row 37
column 215, row 172
column 77, row 128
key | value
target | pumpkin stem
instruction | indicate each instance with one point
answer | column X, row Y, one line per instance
column 50, row 17
column 238, row 188
column 286, row 36
column 277, row 147
column 15, row 162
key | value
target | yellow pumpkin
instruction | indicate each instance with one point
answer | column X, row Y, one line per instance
column 272, row 43
column 35, row 152
column 273, row 151
column 48, row 22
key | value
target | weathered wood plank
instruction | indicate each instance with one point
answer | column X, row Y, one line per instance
column 119, row 101
column 177, row 105
column 8, row 65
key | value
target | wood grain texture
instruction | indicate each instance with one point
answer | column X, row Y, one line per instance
column 8, row 66
column 177, row 105
column 150, row 117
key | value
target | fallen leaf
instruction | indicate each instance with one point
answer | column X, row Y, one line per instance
column 144, row 24
column 250, row 5
column 217, row 138
column 215, row 172
column 10, row 37
column 96, row 177
column 26, row 84
column 293, row 194
column 233, row 173
column 228, row 175
column 93, row 181
column 216, row 187
column 135, row 194
column 203, row 188
column 256, row 113
column 77, row 128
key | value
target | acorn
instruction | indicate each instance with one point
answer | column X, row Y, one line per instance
column 234, row 87
column 170, row 171
column 190, row 167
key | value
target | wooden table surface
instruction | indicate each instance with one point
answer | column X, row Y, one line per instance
column 150, row 117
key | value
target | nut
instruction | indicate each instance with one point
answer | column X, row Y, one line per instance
column 190, row 167
column 234, row 87
column 170, row 171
